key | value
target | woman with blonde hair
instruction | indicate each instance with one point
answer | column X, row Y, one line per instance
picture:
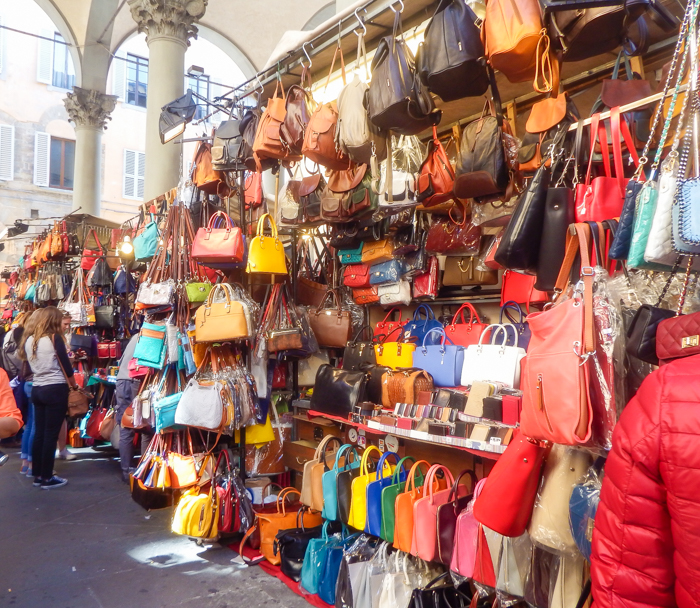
column 26, row 375
column 47, row 356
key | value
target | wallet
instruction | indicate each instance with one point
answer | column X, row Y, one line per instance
column 511, row 409
column 477, row 394
column 493, row 408
column 481, row 432
column 425, row 397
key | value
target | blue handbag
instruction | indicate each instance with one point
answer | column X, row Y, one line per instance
column 521, row 325
column 689, row 198
column 444, row 361
column 146, row 243
column 329, row 481
column 419, row 327
column 583, row 505
column 31, row 292
column 331, row 568
column 124, row 281
column 619, row 249
column 351, row 256
column 374, row 495
column 385, row 272
column 315, row 558
column 151, row 347
column 164, row 408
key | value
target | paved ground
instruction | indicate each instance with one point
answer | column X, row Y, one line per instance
column 88, row 545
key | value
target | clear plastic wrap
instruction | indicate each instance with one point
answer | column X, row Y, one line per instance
column 513, row 566
column 494, row 213
column 245, row 506
column 447, row 238
column 268, row 459
column 567, row 583
column 353, row 586
column 583, row 505
column 544, row 567
column 403, row 575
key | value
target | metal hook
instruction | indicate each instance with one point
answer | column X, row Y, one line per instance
column 360, row 21
column 391, row 6
column 303, row 48
column 260, row 84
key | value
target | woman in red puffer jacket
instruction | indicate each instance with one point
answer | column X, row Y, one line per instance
column 646, row 541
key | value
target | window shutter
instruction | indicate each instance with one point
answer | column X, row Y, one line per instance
column 129, row 174
column 44, row 63
column 141, row 174
column 42, row 149
column 119, row 75
column 7, row 152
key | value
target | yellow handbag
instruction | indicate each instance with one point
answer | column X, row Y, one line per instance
column 197, row 514
column 257, row 434
column 358, row 501
column 394, row 354
column 220, row 321
column 266, row 253
column 374, row 252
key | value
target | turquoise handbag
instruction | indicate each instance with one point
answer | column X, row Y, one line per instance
column 315, row 558
column 146, row 243
column 389, row 494
column 165, row 408
column 643, row 218
column 329, row 479
column 31, row 292
column 151, row 348
column 351, row 256
column 374, row 494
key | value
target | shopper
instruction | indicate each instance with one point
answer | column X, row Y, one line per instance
column 63, row 453
column 127, row 389
column 53, row 377
column 25, row 374
column 646, row 540
column 10, row 416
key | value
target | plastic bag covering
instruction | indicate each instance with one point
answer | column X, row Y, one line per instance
column 582, row 509
column 403, row 575
column 488, row 243
column 494, row 213
column 567, row 582
column 267, row 459
column 447, row 238
column 353, row 587
column 513, row 566
column 245, row 506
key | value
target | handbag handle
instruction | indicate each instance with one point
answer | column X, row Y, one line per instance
column 453, row 497
column 430, row 480
column 504, row 328
column 618, row 126
column 261, row 226
column 515, row 306
column 486, row 331
column 283, row 495
column 335, row 298
column 473, row 315
column 429, row 314
column 322, row 445
column 323, row 457
column 220, row 215
column 344, row 448
column 411, row 479
column 382, row 461
column 445, row 338
column 396, row 477
column 391, row 312
column 359, row 334
column 365, row 458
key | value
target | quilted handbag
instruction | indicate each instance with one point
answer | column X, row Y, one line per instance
column 351, row 256
column 358, row 505
column 329, row 480
column 368, row 295
column 493, row 362
column 266, row 253
column 465, row 333
column 385, row 272
column 389, row 494
column 444, row 361
column 447, row 515
column 391, row 294
column 620, row 246
column 522, row 338
column 356, row 276
column 374, row 252
column 676, row 337
column 215, row 244
column 374, row 492
column 421, row 324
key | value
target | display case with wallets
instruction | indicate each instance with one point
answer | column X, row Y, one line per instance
column 493, row 408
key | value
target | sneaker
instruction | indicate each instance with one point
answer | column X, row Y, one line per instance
column 54, row 482
column 64, row 454
column 29, row 472
column 24, row 469
column 125, row 476
column 3, row 458
column 37, row 482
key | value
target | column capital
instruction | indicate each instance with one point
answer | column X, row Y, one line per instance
column 168, row 18
column 89, row 108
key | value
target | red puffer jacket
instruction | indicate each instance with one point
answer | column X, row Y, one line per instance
column 646, row 541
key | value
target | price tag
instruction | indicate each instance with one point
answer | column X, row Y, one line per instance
column 495, row 441
column 381, row 445
column 362, row 441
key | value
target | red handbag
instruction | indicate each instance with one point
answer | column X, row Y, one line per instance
column 136, row 370
column 448, row 238
column 467, row 333
column 219, row 245
column 437, row 177
column 92, row 427
column 115, row 350
column 601, row 198
column 279, row 376
column 229, row 518
column 103, row 350
column 367, row 295
column 508, row 496
column 356, row 276
column 426, row 284
column 678, row 337
column 520, row 288
column 90, row 255
column 252, row 189
column 385, row 327
column 490, row 258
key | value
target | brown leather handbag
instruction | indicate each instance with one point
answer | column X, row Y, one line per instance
column 437, row 177
column 374, row 252
column 299, row 107
column 204, row 176
column 331, row 326
column 320, row 138
column 463, row 271
column 268, row 143
column 403, row 386
column 346, row 179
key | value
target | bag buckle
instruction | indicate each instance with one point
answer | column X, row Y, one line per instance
column 587, row 271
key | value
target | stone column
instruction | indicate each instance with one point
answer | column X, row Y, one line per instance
column 168, row 25
column 89, row 112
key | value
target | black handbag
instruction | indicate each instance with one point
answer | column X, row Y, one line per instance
column 84, row 342
column 396, row 99
column 558, row 214
column 438, row 594
column 359, row 353
column 373, row 389
column 291, row 546
column 106, row 316
column 344, row 236
column 451, row 58
column 337, row 391
column 519, row 248
column 620, row 247
column 343, row 487
column 100, row 275
column 226, row 148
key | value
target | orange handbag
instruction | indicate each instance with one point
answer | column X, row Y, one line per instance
column 403, row 511
column 437, row 177
column 267, row 142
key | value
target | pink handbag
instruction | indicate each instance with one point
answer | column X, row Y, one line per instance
column 466, row 535
column 425, row 542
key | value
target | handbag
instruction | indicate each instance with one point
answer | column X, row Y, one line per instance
column 388, row 498
column 90, row 256
column 151, row 348
column 337, row 391
column 522, row 329
column 391, row 294
column 299, row 106
column 464, row 271
column 403, row 386
column 213, row 244
column 374, row 252
column 507, row 498
column 146, row 243
column 583, row 506
column 329, row 479
column 394, row 355
column 436, row 178
column 268, row 142
column 447, row 515
column 266, row 253
column 315, row 557
column 375, row 490
column 197, row 292
column 292, row 545
column 386, row 326
column 450, row 57
column 358, row 354
column 659, row 247
column 351, row 256
column 106, row 317
column 447, row 238
column 356, row 276
column 312, row 481
column 642, row 330
column 643, row 218
column 619, row 248
column 221, row 321
column 465, row 333
column 385, row 272
column 331, row 326
column 196, row 514
column 331, row 569
column 444, row 361
column 558, row 214
column 492, row 362
column 201, row 404
column 467, row 530
column 419, row 327
column 426, row 284
column 368, row 295
column 357, row 516
column 226, row 147
column 520, row 288
column 309, row 366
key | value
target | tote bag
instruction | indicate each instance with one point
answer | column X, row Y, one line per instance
column 493, row 362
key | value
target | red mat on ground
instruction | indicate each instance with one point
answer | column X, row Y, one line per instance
column 276, row 571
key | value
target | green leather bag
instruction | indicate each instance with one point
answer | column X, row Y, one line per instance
column 389, row 495
column 198, row 292
column 643, row 219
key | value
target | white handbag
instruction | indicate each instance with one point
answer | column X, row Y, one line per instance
column 514, row 564
column 309, row 366
column 569, row 584
column 201, row 405
column 659, row 249
column 403, row 189
column 156, row 294
column 493, row 362
column 395, row 294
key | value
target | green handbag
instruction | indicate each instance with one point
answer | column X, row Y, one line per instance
column 389, row 495
column 197, row 292
column 351, row 256
column 643, row 218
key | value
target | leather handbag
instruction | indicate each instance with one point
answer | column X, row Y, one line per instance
column 351, row 256
column 425, row 539
column 643, row 219
column 356, row 276
column 421, row 324
column 444, row 361
column 436, row 178
column 464, row 271
column 508, row 496
column 397, row 100
column 465, row 333
column 308, row 368
column 203, row 174
column 376, row 488
column 268, row 142
column 520, row 288
column 331, row 326
column 196, row 514
column 90, row 256
column 367, row 295
column 394, row 355
column 447, row 238
column 315, row 558
column 447, row 515
column 358, row 353
column 226, row 147
column 642, row 330
column 558, row 214
column 343, row 464
column 224, row 320
column 660, row 243
column 676, row 337
column 374, row 252
column 519, row 248
column 319, row 458
column 450, row 58
column 343, row 480
column 464, row 551
column 403, row 386
column 386, row 326
column 426, row 285
column 385, row 272
column 317, row 470
column 106, row 316
column 358, row 505
column 388, row 499
column 522, row 329
column 292, row 545
column 493, row 362
column 252, row 190
column 337, row 391
column 299, row 107
column 213, row 244
column 266, row 253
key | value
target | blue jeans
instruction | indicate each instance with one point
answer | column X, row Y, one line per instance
column 28, row 435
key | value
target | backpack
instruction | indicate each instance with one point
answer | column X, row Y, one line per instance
column 11, row 362
column 226, row 149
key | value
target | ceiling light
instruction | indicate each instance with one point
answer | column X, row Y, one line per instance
column 195, row 70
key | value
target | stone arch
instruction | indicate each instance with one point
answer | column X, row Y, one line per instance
column 320, row 16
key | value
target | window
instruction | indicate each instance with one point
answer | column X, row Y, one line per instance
column 7, row 152
column 63, row 73
column 136, row 80
column 134, row 173
column 34, row 214
column 62, row 163
column 199, row 85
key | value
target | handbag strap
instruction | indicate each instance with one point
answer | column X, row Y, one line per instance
column 365, row 458
column 511, row 304
column 595, row 121
column 323, row 458
column 411, row 479
column 362, row 330
column 430, row 480
column 345, row 448
column 261, row 226
column 441, row 331
column 429, row 314
column 338, row 50
column 486, row 330
column 382, row 462
column 473, row 315
column 454, row 492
